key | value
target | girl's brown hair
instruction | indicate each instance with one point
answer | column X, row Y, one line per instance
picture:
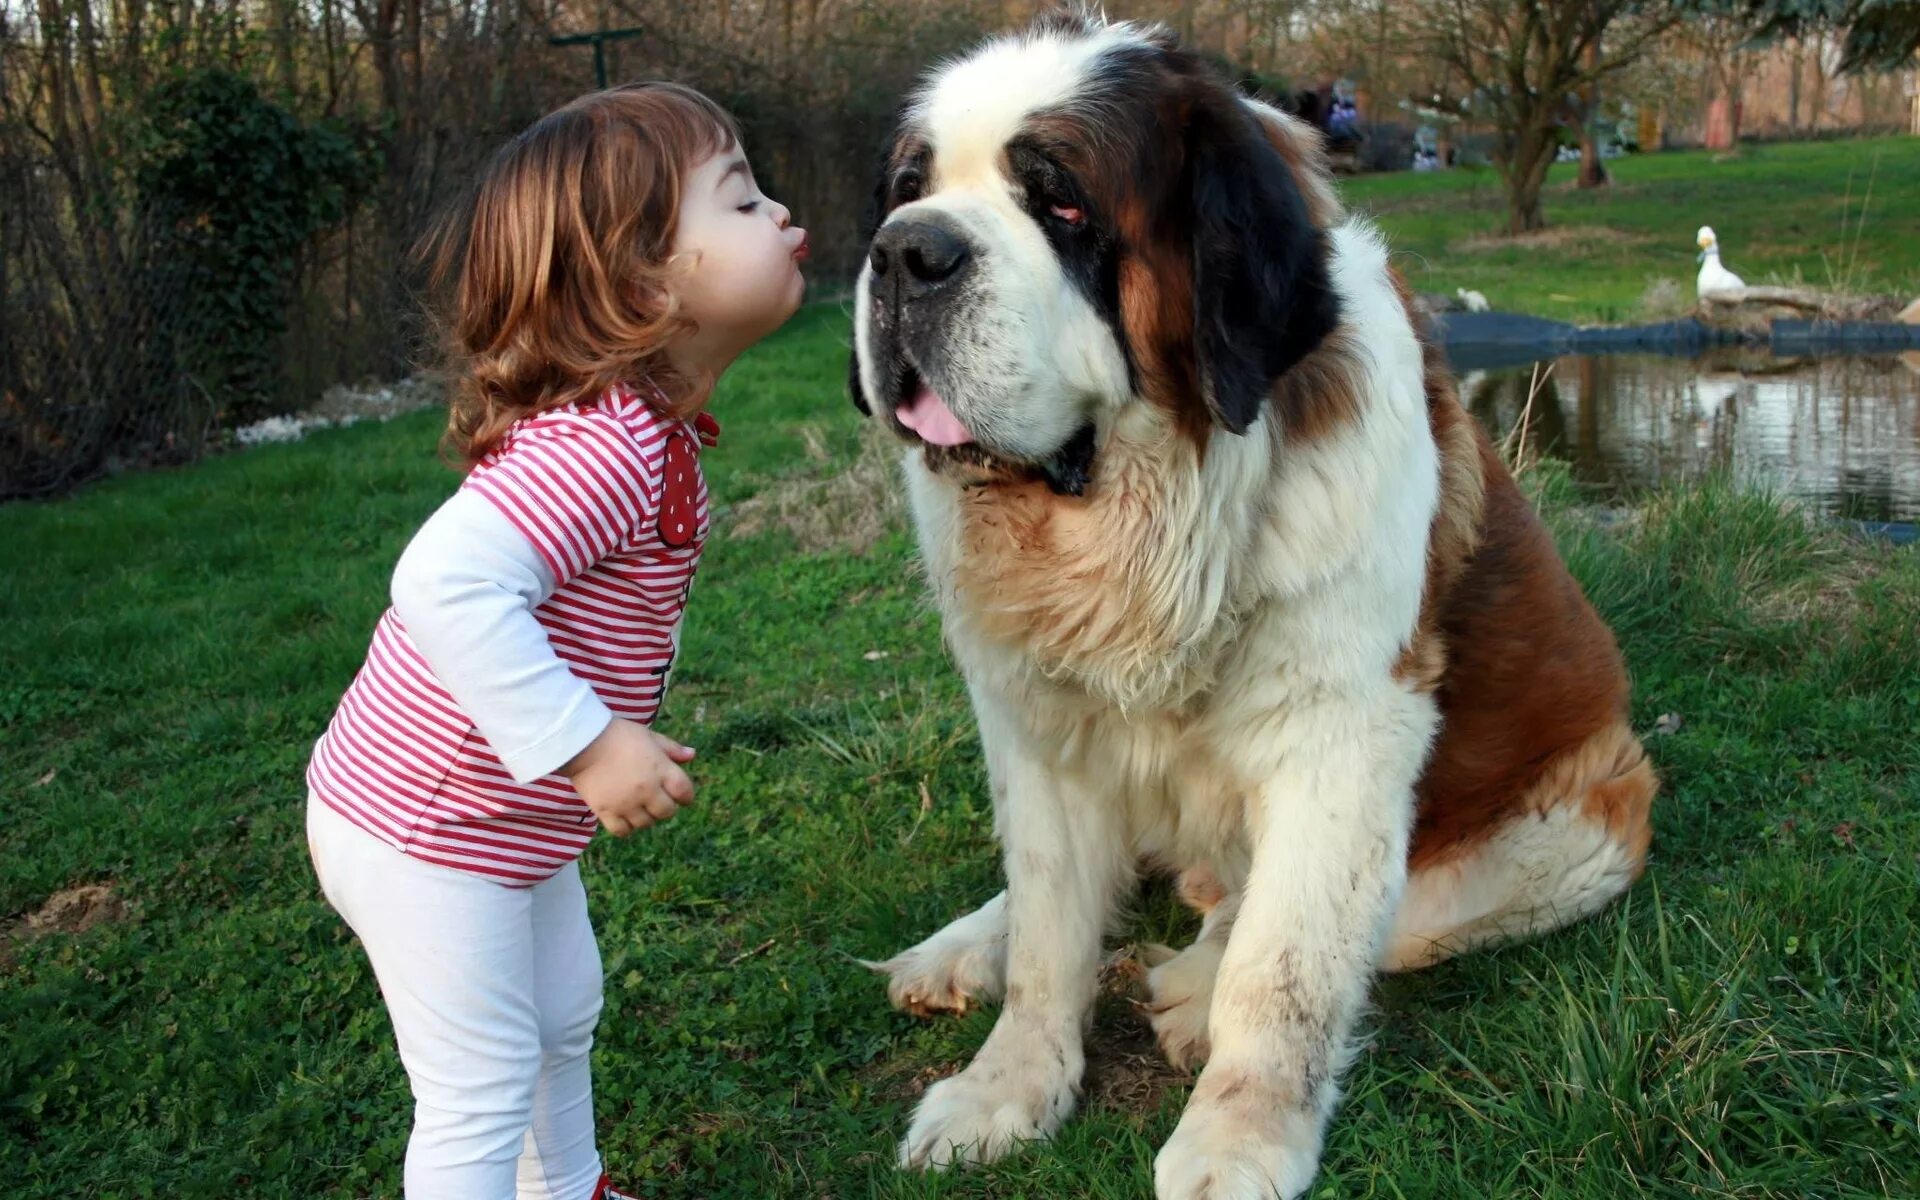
column 556, row 272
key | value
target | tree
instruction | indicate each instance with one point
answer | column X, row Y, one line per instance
column 1528, row 65
column 1533, row 67
column 1881, row 35
column 230, row 186
column 1876, row 35
column 1722, row 38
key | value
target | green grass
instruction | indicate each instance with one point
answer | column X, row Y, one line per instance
column 1790, row 212
column 1746, row 1025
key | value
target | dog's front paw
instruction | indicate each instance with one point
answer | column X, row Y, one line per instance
column 1238, row 1151
column 962, row 964
column 986, row 1110
column 934, row 978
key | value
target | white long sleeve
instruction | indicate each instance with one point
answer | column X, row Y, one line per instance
column 466, row 589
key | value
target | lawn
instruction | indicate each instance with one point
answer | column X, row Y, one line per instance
column 1745, row 1025
column 1823, row 214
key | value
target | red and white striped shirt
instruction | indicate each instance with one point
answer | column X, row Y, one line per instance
column 544, row 598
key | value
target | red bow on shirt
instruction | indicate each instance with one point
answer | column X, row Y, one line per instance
column 680, row 482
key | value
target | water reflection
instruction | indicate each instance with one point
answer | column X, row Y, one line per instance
column 1842, row 434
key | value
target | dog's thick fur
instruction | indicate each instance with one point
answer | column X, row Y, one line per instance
column 1238, row 588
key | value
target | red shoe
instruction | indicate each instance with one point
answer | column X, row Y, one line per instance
column 604, row 1190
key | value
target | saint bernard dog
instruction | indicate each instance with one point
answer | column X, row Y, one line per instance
column 1239, row 590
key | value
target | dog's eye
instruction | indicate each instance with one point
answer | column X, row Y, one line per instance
column 1068, row 214
column 906, row 187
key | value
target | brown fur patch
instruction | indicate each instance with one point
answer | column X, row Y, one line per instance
column 1156, row 305
column 1319, row 394
column 1156, row 289
column 1525, row 670
column 1156, row 309
column 1531, row 672
column 1056, row 574
column 1615, row 785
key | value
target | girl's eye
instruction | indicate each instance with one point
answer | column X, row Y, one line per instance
column 748, row 207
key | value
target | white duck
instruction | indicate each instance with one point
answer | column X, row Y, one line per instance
column 1715, row 280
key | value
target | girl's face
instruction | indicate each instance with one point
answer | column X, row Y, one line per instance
column 745, row 281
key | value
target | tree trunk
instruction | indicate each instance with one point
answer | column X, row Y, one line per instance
column 1593, row 173
column 1525, row 174
column 1736, row 93
column 1793, row 85
column 1651, row 138
column 1524, row 214
column 286, row 17
column 1720, row 124
column 1817, row 102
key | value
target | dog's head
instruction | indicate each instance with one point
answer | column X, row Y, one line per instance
column 1074, row 219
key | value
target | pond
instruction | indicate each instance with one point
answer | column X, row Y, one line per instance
column 1840, row 434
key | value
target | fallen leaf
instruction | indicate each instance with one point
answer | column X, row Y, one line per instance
column 926, row 798
column 1667, row 723
column 46, row 779
column 875, row 655
column 1843, row 833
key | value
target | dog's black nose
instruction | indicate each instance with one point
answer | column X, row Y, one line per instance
column 931, row 253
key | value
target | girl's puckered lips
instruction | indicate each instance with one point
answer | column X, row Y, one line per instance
column 803, row 251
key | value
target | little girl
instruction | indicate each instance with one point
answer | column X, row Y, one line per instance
column 616, row 258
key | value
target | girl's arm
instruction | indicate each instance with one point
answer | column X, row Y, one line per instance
column 465, row 589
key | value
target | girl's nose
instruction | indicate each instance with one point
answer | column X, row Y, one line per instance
column 785, row 218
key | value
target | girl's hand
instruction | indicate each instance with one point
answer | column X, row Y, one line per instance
column 630, row 777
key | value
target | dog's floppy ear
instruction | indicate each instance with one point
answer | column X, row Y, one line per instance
column 1261, row 299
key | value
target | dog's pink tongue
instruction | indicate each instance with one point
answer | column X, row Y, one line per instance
column 928, row 415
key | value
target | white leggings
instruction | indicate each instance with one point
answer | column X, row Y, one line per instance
column 494, row 993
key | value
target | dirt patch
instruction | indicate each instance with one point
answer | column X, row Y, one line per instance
column 71, row 910
column 1554, row 237
column 848, row 509
column 1126, row 1073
